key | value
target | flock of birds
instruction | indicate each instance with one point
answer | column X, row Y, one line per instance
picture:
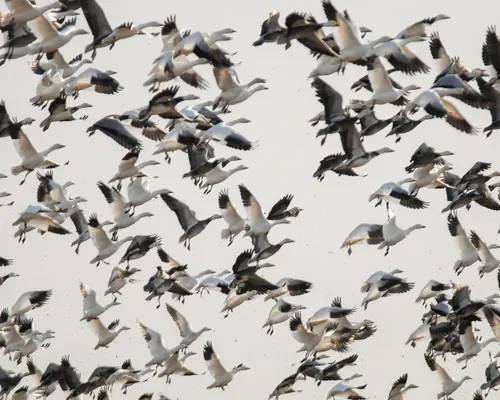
column 448, row 324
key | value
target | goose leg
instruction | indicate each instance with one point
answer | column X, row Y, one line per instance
column 25, row 176
column 387, row 251
column 119, row 186
column 398, row 139
column 379, row 202
column 349, row 250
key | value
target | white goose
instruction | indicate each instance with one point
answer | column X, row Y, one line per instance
column 127, row 30
column 91, row 308
column 394, row 234
column 222, row 377
column 105, row 335
column 468, row 253
column 236, row 297
column 280, row 312
column 57, row 193
column 30, row 301
column 30, row 158
column 430, row 177
column 105, row 247
column 24, row 10
column 235, row 224
column 158, row 351
column 123, row 219
column 32, row 344
column 118, row 279
column 472, row 347
column 177, row 139
column 49, row 88
column 383, row 89
column 448, row 384
column 257, row 223
column 187, row 334
column 138, row 193
column 488, row 260
column 57, row 61
column 128, row 167
column 175, row 366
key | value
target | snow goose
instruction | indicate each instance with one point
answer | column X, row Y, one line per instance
column 128, row 376
column 329, row 315
column 290, row 286
column 264, row 249
column 29, row 301
column 23, row 11
column 215, row 282
column 158, row 351
column 472, row 347
column 383, row 89
column 346, row 390
column 119, row 207
column 164, row 104
column 331, row 371
column 431, row 290
column 48, row 88
column 431, row 100
column 257, row 223
column 57, row 193
column 17, row 34
column 81, row 226
column 51, row 38
column 394, row 234
column 163, row 285
column 188, row 335
column 138, row 193
column 348, row 36
column 235, row 224
column 377, row 287
column 224, row 132
column 3, row 278
column 270, row 29
column 127, row 30
column 200, row 167
column 175, row 366
column 179, row 138
column 105, row 247
column 236, row 297
column 280, row 210
column 420, row 28
column 31, row 159
column 35, row 342
column 462, row 304
column 40, row 221
column 353, row 148
column 448, row 384
column 59, row 112
column 113, row 128
column 402, row 124
column 201, row 44
column 222, row 377
column 37, row 374
column 470, row 96
column 218, row 175
column 364, row 82
column 280, row 312
column 139, row 247
column 308, row 338
column 187, row 219
column 56, row 60
column 91, row 308
column 101, row 82
column 118, row 279
column 399, row 388
column 489, row 261
column 129, row 168
column 428, row 176
column 363, row 233
column 393, row 192
column 286, row 386
column 105, row 335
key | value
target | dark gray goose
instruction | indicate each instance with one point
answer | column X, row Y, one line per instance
column 402, row 124
column 114, row 129
column 494, row 98
column 164, row 104
column 5, row 262
column 370, row 124
column 281, row 211
column 329, row 163
column 17, row 35
column 6, row 122
column 491, row 53
column 245, row 275
column 98, row 24
column 469, row 96
column 264, row 249
column 270, row 29
column 59, row 112
column 286, row 386
column 425, row 155
column 331, row 371
column 139, row 247
column 187, row 219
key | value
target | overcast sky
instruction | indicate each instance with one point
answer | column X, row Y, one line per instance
column 283, row 163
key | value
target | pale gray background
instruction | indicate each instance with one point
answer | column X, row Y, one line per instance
column 283, row 163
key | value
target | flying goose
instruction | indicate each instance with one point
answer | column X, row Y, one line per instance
column 425, row 155
column 394, row 234
column 179, row 138
column 98, row 24
column 129, row 167
column 235, row 224
column 492, row 379
column 224, row 133
column 101, row 82
column 188, row 335
column 290, row 286
column 3, row 278
column 364, row 82
column 308, row 338
column 381, row 284
column 127, row 30
column 128, row 376
column 270, row 29
column 30, row 158
column 363, row 233
column 113, row 128
column 60, row 112
column 30, row 220
column 468, row 253
column 66, row 69
column 139, row 247
column 123, row 219
column 35, row 342
column 164, row 104
column 82, row 229
column 105, row 247
column 187, row 219
column 216, row 282
column 257, row 223
column 346, row 390
column 370, row 124
column 105, row 335
column 330, row 163
column 30, row 301
column 91, row 308
column 399, row 388
column 357, row 156
column 222, row 377
column 176, row 366
column 494, row 105
column 421, row 27
column 6, row 122
column 448, row 384
column 472, row 347
column 52, row 193
column 383, row 89
column 470, row 96
column 393, row 192
column 118, row 279
column 488, row 260
column 431, row 100
column 402, row 124
column 329, row 315
column 431, row 290
column 236, row 297
column 286, row 386
column 430, row 177
column 280, row 312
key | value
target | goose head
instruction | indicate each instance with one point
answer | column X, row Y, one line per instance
column 259, row 88
column 287, row 240
column 214, row 217
column 78, row 32
column 27, row 121
column 385, row 150
column 441, row 17
column 190, row 97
